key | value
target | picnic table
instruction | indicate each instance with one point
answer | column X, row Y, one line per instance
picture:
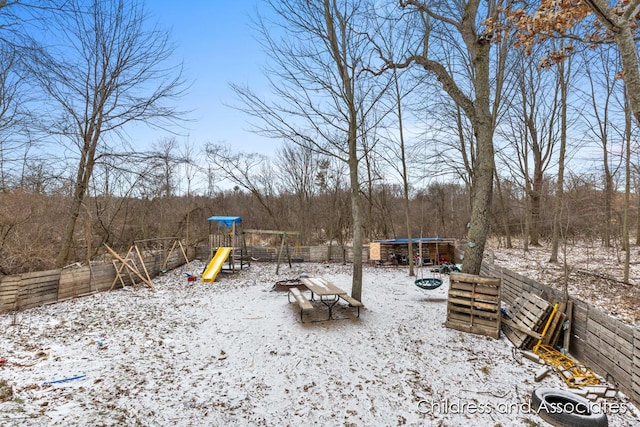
column 327, row 293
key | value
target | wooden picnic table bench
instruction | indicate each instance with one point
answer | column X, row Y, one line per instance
column 303, row 302
column 327, row 293
column 352, row 302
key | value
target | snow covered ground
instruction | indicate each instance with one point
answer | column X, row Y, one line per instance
column 234, row 352
column 593, row 273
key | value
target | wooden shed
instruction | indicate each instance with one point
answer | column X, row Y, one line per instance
column 432, row 250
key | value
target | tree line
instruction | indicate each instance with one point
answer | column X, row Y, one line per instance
column 31, row 220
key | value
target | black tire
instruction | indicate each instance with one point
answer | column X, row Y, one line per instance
column 565, row 409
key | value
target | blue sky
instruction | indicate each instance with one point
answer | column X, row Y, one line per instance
column 217, row 45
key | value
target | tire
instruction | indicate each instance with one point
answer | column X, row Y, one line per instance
column 562, row 408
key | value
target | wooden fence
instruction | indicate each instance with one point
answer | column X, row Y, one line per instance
column 22, row 291
column 608, row 346
column 304, row 253
column 28, row 290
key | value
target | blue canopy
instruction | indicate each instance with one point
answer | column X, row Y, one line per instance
column 414, row 240
column 227, row 221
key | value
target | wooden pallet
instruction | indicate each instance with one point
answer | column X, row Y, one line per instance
column 527, row 320
column 473, row 304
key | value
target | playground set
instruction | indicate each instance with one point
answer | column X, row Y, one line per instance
column 228, row 246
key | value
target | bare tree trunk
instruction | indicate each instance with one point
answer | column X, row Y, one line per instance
column 505, row 213
column 559, row 199
column 405, row 178
column 536, row 200
column 637, row 214
column 627, row 190
column 527, row 220
column 608, row 196
column 356, row 209
column 482, row 194
column 626, row 42
column 85, row 170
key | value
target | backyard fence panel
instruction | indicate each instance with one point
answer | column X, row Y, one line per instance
column 609, row 349
column 635, row 377
column 9, row 292
column 38, row 288
column 579, row 327
column 74, row 282
column 102, row 276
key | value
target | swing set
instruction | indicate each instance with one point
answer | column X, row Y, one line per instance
column 284, row 237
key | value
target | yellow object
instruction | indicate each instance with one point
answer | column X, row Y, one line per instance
column 215, row 265
column 574, row 375
column 546, row 327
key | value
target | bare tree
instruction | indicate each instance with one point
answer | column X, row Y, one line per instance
column 11, row 116
column 605, row 123
column 530, row 135
column 323, row 97
column 564, row 78
column 107, row 68
column 628, row 132
column 455, row 27
column 252, row 172
column 299, row 169
column 164, row 164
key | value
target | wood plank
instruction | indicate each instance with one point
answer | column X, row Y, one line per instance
column 470, row 278
column 556, row 328
column 351, row 301
column 466, row 310
column 617, row 327
column 29, row 279
column 462, row 318
column 516, row 337
column 554, row 323
column 302, row 301
column 473, row 287
column 74, row 283
column 530, row 316
column 10, row 291
column 569, row 330
column 520, row 328
column 529, row 320
column 472, row 303
column 41, row 290
column 37, row 300
column 600, row 364
column 474, row 329
column 635, row 377
column 475, row 312
column 471, row 296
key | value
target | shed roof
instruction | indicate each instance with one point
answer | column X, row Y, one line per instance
column 414, row 240
column 227, row 221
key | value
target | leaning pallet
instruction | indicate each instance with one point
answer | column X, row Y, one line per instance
column 473, row 304
column 526, row 320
